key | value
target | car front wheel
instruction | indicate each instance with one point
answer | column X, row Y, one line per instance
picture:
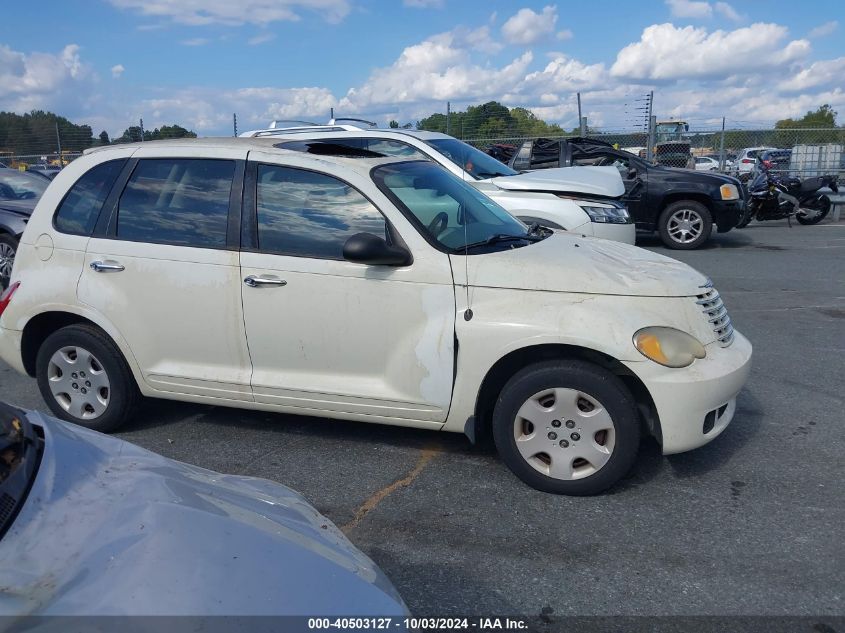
column 8, row 249
column 567, row 427
column 84, row 378
column 685, row 225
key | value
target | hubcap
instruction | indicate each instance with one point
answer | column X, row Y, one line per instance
column 685, row 226
column 7, row 258
column 79, row 382
column 589, row 436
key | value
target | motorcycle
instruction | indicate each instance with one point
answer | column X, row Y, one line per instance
column 775, row 197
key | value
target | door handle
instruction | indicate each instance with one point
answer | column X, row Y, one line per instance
column 254, row 281
column 107, row 267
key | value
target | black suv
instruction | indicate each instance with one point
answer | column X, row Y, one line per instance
column 681, row 204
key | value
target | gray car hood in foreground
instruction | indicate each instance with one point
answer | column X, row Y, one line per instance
column 109, row 528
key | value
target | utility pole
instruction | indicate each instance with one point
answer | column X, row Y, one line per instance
column 448, row 117
column 141, row 121
column 235, row 123
column 59, row 145
column 331, row 115
column 652, row 125
column 580, row 118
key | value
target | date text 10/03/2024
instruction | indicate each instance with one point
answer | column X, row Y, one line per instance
column 416, row 624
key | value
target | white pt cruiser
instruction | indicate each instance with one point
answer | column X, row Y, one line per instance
column 229, row 272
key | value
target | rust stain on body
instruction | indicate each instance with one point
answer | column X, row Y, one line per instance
column 376, row 498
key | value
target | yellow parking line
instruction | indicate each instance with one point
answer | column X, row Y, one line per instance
column 426, row 456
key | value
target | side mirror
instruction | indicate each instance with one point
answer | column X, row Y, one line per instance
column 366, row 248
column 632, row 173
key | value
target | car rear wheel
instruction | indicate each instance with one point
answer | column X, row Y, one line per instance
column 685, row 225
column 8, row 249
column 84, row 378
column 567, row 427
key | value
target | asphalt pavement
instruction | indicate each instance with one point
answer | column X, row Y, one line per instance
column 751, row 524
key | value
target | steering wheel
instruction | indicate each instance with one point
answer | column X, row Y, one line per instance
column 438, row 224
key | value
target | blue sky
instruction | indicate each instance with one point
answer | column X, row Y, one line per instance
column 194, row 62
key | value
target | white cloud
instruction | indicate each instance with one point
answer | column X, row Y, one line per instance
column 566, row 74
column 728, row 11
column 117, row 71
column 822, row 73
column 261, row 38
column 43, row 80
column 441, row 71
column 823, row 30
column 423, row 4
column 195, row 41
column 205, row 12
column 526, row 27
column 689, row 9
column 565, row 34
column 667, row 52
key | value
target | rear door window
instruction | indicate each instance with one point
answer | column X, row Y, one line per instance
column 78, row 212
column 177, row 201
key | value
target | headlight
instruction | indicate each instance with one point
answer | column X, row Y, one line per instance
column 668, row 346
column 607, row 215
column 729, row 192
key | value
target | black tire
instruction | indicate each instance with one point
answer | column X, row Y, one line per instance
column 698, row 212
column 823, row 205
column 584, row 378
column 122, row 393
column 7, row 243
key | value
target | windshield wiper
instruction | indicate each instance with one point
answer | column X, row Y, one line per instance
column 504, row 237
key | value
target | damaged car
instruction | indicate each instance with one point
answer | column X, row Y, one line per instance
column 681, row 205
column 93, row 525
column 582, row 200
column 19, row 192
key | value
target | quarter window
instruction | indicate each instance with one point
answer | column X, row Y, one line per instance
column 308, row 214
column 80, row 209
column 177, row 201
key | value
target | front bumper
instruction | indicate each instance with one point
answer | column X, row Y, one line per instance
column 696, row 403
column 727, row 213
column 10, row 349
column 625, row 233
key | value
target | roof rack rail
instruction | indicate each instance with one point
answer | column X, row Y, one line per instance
column 354, row 120
column 276, row 124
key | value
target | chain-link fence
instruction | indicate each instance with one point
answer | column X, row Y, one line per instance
column 46, row 142
column 797, row 152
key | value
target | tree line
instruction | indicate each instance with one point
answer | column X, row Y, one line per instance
column 40, row 132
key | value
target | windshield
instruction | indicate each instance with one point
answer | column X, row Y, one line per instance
column 473, row 161
column 18, row 185
column 447, row 210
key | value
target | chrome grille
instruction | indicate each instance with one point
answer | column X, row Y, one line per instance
column 716, row 313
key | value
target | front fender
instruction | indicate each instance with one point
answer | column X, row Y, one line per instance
column 507, row 320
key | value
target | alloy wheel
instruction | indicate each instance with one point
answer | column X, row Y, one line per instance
column 7, row 259
column 564, row 433
column 79, row 383
column 685, row 226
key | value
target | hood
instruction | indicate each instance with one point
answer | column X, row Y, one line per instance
column 567, row 262
column 685, row 176
column 594, row 181
column 21, row 207
column 109, row 528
